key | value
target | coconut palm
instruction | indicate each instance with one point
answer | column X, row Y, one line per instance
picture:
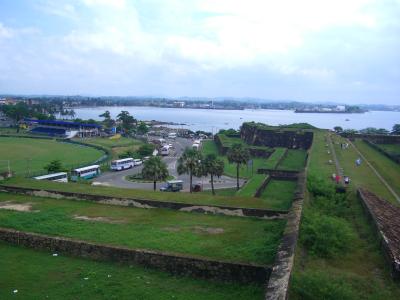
column 155, row 169
column 238, row 154
column 213, row 166
column 190, row 163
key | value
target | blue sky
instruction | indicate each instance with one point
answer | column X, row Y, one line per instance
column 310, row 50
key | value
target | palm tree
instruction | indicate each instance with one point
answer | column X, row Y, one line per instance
column 238, row 154
column 155, row 169
column 190, row 163
column 213, row 166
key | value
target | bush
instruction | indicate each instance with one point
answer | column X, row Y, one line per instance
column 325, row 236
column 319, row 285
column 146, row 150
column 320, row 187
column 338, row 205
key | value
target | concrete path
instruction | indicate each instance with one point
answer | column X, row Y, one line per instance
column 376, row 172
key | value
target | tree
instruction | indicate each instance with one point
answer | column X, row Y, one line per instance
column 396, row 129
column 155, row 169
column 190, row 163
column 214, row 167
column 17, row 112
column 338, row 129
column 142, row 128
column 146, row 150
column 238, row 154
column 54, row 166
column 107, row 122
column 128, row 121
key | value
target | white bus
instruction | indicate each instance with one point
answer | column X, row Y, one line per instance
column 172, row 135
column 122, row 164
column 59, row 177
column 85, row 173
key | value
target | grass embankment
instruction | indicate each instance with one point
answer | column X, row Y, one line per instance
column 230, row 169
column 39, row 275
column 275, row 157
column 29, row 156
column 211, row 236
column 221, row 192
column 251, row 186
column 279, row 192
column 195, row 198
column 360, row 176
column 116, row 145
column 338, row 255
column 393, row 149
column 294, row 161
column 387, row 168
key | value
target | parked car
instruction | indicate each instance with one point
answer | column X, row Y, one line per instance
column 137, row 162
column 172, row 186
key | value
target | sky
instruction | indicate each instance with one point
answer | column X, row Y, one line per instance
column 346, row 51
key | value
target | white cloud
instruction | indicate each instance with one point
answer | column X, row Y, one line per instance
column 110, row 3
column 5, row 32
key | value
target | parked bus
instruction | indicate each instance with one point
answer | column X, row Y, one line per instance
column 122, row 164
column 59, row 177
column 85, row 173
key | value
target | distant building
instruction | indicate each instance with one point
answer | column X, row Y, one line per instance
column 64, row 129
column 179, row 103
column 5, row 101
column 340, row 108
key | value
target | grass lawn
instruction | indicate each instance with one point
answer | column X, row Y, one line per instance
column 39, row 275
column 221, row 192
column 273, row 160
column 279, row 193
column 33, row 154
column 230, row 169
column 250, row 188
column 116, row 145
column 195, row 198
column 388, row 169
column 217, row 237
column 138, row 178
column 294, row 160
column 361, row 272
column 393, row 149
column 230, row 141
column 360, row 176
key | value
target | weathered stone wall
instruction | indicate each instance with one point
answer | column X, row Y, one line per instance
column 375, row 138
column 280, row 174
column 142, row 203
column 174, row 264
column 278, row 284
column 386, row 219
column 254, row 134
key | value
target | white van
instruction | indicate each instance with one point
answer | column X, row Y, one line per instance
column 137, row 162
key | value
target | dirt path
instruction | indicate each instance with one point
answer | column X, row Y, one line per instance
column 376, row 172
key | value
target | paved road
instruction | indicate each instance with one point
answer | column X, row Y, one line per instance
column 118, row 178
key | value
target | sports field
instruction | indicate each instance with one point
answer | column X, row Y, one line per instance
column 29, row 156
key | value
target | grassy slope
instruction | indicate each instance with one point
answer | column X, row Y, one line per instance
column 37, row 153
column 230, row 169
column 363, row 268
column 39, row 275
column 361, row 176
column 195, row 198
column 242, row 239
column 250, row 188
column 280, row 193
column 390, row 148
column 294, row 160
column 273, row 160
column 388, row 169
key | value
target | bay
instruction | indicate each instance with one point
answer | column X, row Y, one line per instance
column 213, row 120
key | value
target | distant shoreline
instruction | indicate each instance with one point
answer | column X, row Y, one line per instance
column 326, row 112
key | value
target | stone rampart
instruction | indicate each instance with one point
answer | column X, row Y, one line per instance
column 145, row 203
column 172, row 263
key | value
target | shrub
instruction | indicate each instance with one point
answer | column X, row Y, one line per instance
column 326, row 236
column 146, row 150
column 320, row 187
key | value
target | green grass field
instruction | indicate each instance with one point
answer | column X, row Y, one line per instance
column 393, row 149
column 250, row 188
column 195, row 198
column 279, row 193
column 388, row 169
column 273, row 160
column 230, row 169
column 359, row 273
column 360, row 176
column 221, row 192
column 39, row 275
column 294, row 160
column 218, row 237
column 109, row 143
column 31, row 155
